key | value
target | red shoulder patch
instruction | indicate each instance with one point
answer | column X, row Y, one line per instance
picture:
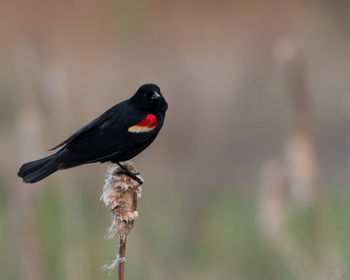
column 146, row 125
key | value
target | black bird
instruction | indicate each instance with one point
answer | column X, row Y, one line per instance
column 119, row 134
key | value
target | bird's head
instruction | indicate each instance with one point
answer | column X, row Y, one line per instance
column 150, row 98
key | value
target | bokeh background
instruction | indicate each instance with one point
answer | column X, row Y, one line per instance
column 249, row 178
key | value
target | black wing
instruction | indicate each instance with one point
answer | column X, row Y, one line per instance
column 111, row 139
column 99, row 120
column 107, row 137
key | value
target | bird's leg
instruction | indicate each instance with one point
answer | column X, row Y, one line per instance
column 129, row 173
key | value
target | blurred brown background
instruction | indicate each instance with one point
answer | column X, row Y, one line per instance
column 248, row 178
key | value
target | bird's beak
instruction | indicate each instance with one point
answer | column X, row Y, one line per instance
column 155, row 95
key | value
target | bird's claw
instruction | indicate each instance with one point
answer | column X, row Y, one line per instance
column 132, row 176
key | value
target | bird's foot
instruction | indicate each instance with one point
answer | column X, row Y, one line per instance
column 132, row 175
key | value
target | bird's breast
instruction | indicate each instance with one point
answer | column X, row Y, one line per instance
column 146, row 125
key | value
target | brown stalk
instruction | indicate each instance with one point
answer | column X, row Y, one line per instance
column 122, row 248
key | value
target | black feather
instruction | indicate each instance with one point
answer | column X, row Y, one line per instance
column 37, row 170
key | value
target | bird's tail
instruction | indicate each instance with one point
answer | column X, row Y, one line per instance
column 37, row 170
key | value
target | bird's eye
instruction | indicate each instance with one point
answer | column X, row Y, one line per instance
column 152, row 96
column 148, row 95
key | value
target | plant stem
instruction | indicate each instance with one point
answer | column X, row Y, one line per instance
column 122, row 246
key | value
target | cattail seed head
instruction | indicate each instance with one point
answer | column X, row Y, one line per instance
column 120, row 194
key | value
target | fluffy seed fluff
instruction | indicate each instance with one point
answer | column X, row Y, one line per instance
column 112, row 266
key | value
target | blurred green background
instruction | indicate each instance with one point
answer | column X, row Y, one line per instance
column 249, row 177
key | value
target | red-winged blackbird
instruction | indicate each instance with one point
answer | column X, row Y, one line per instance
column 117, row 135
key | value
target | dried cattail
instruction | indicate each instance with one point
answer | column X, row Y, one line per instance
column 120, row 194
column 300, row 150
column 302, row 167
column 273, row 200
